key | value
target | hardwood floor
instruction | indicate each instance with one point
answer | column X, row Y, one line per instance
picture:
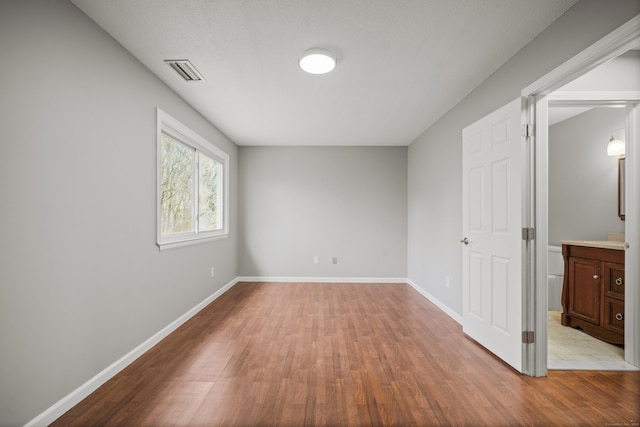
column 282, row 354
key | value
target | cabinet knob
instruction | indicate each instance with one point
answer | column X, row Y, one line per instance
column 619, row 281
column 596, row 277
column 619, row 316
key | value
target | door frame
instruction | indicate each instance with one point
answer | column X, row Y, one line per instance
column 535, row 111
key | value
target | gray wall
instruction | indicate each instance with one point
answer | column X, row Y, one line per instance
column 583, row 180
column 82, row 282
column 344, row 202
column 619, row 74
column 435, row 158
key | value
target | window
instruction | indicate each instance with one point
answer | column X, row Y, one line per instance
column 192, row 185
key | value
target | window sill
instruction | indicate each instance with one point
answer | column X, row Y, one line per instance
column 163, row 246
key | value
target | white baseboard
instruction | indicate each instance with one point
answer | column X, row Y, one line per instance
column 323, row 279
column 455, row 316
column 63, row 405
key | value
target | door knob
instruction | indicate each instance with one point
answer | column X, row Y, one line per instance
column 465, row 241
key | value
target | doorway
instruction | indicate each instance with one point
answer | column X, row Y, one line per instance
column 537, row 97
column 583, row 202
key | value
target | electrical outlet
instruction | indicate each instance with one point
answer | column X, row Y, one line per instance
column 316, row 259
column 447, row 282
column 334, row 260
column 213, row 271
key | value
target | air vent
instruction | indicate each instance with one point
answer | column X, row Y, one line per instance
column 185, row 69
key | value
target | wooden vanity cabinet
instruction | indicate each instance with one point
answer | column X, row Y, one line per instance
column 593, row 291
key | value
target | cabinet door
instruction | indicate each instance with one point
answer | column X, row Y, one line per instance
column 584, row 300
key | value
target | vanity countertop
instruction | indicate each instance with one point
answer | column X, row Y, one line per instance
column 605, row 244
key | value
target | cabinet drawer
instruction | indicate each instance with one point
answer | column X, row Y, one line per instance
column 614, row 315
column 614, row 280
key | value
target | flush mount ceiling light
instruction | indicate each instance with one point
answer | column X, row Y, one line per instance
column 317, row 61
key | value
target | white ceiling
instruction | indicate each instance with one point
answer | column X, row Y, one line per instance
column 402, row 64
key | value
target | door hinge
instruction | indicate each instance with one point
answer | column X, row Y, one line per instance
column 528, row 234
column 527, row 130
column 527, row 337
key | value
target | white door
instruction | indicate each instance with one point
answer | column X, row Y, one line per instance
column 492, row 233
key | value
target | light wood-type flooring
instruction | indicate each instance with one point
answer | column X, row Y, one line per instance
column 328, row 354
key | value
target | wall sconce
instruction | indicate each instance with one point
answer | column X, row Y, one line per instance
column 616, row 146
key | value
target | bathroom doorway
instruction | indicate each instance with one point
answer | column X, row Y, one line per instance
column 583, row 206
column 538, row 97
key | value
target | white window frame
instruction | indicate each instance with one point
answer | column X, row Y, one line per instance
column 184, row 135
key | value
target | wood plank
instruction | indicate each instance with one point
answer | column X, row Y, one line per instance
column 268, row 354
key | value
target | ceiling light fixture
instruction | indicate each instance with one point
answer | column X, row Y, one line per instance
column 615, row 147
column 317, row 61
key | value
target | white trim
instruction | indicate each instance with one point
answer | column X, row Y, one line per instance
column 610, row 46
column 582, row 98
column 190, row 241
column 56, row 410
column 539, row 352
column 632, row 237
column 435, row 301
column 529, row 248
column 267, row 279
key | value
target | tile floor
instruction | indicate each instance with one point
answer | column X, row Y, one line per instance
column 572, row 349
